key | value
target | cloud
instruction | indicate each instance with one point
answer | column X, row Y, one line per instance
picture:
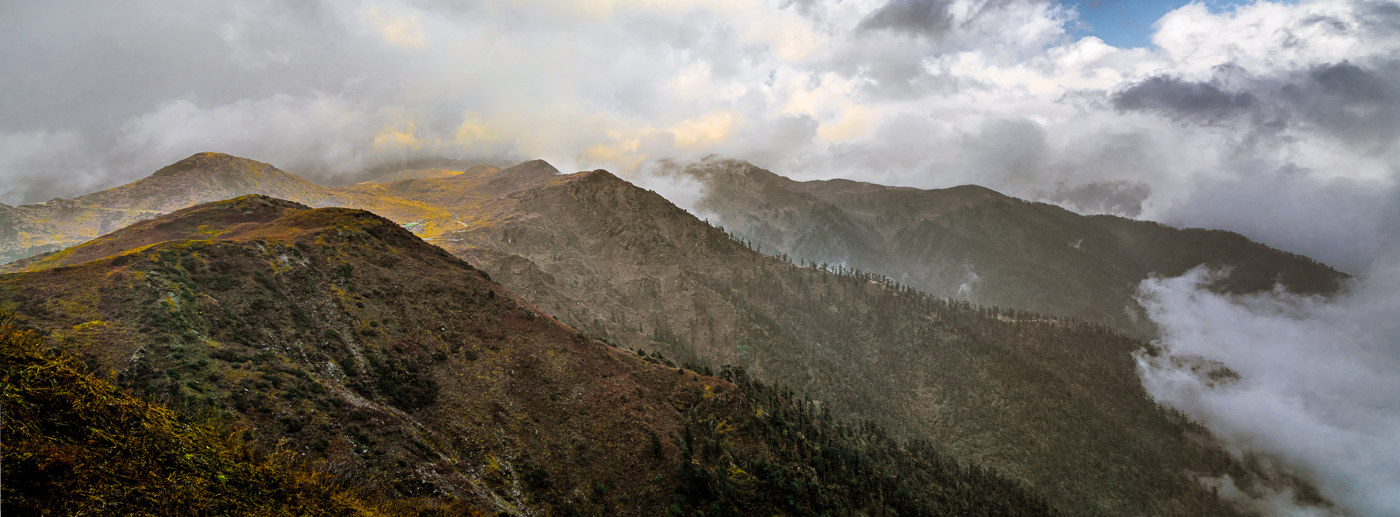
column 1181, row 99
column 37, row 162
column 1312, row 383
column 1361, row 106
column 400, row 30
column 917, row 17
column 924, row 93
column 1103, row 197
column 1342, row 221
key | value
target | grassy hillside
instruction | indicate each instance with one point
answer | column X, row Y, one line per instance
column 77, row 445
column 342, row 338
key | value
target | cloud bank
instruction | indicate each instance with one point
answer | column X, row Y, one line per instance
column 1315, row 382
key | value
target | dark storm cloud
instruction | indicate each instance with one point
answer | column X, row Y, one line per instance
column 1384, row 15
column 1352, row 84
column 1180, row 99
column 1360, row 105
column 914, row 17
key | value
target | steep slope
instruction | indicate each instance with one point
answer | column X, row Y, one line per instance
column 974, row 244
column 76, row 445
column 338, row 334
column 1052, row 402
column 1056, row 403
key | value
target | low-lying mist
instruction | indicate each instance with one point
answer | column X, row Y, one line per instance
column 1313, row 383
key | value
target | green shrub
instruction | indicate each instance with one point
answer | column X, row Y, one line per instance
column 76, row 445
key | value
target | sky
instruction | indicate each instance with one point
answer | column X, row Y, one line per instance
column 1123, row 24
column 1278, row 120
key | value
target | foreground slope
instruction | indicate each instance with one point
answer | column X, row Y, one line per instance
column 975, row 244
column 338, row 334
column 76, row 445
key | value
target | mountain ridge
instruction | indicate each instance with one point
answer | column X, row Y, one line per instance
column 340, row 335
column 626, row 265
column 29, row 230
column 622, row 262
column 972, row 243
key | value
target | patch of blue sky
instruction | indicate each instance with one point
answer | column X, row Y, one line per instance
column 1129, row 23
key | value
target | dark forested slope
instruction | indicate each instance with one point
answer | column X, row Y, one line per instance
column 1054, row 402
column 974, row 244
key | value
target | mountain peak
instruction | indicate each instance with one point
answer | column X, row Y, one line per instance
column 532, row 167
column 204, row 161
column 205, row 177
column 599, row 176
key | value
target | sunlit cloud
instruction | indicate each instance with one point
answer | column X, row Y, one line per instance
column 400, row 30
column 927, row 93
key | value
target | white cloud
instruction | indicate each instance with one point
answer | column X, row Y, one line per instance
column 36, row 161
column 400, row 30
column 1270, row 37
column 968, row 91
column 1318, row 380
column 294, row 132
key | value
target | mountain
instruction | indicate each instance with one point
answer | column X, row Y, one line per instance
column 340, row 336
column 974, row 244
column 77, row 445
column 1051, row 402
column 29, row 230
column 417, row 174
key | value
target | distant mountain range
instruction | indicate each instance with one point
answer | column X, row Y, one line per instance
column 28, row 230
column 338, row 335
column 1052, row 402
column 972, row 243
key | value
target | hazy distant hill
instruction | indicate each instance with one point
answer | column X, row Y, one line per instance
column 338, row 334
column 972, row 243
column 29, row 230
